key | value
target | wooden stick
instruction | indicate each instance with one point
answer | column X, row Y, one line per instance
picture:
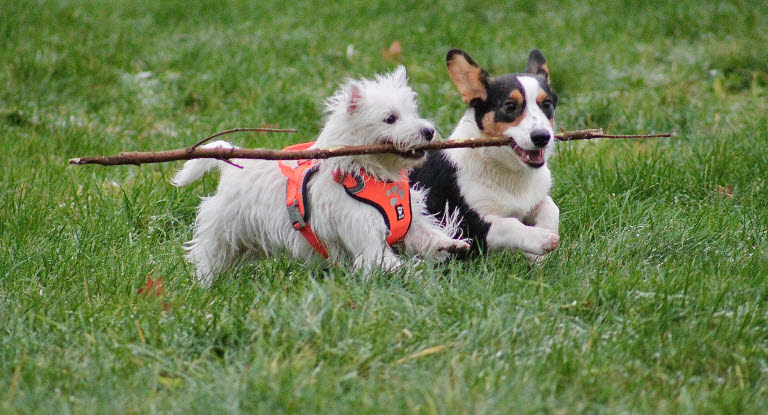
column 225, row 154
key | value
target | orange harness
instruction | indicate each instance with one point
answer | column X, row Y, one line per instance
column 391, row 199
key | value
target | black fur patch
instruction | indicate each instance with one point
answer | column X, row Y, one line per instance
column 438, row 176
column 545, row 86
column 498, row 93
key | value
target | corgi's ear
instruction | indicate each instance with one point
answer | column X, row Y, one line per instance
column 470, row 79
column 353, row 97
column 537, row 65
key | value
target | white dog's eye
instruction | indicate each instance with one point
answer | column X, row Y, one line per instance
column 391, row 119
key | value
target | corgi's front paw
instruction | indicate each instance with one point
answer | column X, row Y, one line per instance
column 541, row 241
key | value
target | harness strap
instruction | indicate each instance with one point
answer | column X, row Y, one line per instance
column 296, row 188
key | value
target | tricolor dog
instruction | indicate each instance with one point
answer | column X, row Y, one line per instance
column 500, row 194
column 347, row 209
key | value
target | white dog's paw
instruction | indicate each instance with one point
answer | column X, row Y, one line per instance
column 204, row 280
column 541, row 241
column 453, row 246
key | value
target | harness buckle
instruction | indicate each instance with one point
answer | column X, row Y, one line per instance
column 295, row 217
column 359, row 185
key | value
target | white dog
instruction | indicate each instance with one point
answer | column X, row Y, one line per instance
column 257, row 211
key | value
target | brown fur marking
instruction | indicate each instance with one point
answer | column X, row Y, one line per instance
column 545, row 71
column 516, row 96
column 493, row 128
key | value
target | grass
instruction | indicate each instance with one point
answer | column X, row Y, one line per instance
column 654, row 303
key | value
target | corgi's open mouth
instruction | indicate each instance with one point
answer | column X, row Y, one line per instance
column 532, row 158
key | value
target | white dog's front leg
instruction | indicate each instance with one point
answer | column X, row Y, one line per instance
column 370, row 250
column 377, row 256
column 510, row 233
column 427, row 238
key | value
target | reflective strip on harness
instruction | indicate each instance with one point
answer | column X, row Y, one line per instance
column 391, row 199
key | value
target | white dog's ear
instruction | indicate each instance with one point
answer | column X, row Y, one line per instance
column 353, row 97
column 400, row 76
column 470, row 79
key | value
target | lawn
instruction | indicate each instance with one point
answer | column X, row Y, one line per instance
column 655, row 302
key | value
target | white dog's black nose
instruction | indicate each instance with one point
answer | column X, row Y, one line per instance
column 540, row 138
column 428, row 133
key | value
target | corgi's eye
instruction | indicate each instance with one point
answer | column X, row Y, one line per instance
column 391, row 119
column 510, row 106
column 546, row 104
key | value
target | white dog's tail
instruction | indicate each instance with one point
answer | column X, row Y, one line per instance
column 196, row 168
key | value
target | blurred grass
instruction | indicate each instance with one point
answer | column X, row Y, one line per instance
column 654, row 303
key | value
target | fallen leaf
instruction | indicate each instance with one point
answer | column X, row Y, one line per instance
column 152, row 288
column 726, row 190
column 394, row 52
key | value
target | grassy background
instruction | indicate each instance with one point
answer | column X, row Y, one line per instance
column 654, row 303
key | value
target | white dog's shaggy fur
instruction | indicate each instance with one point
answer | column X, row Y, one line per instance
column 248, row 215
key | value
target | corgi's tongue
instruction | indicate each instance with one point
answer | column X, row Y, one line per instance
column 533, row 158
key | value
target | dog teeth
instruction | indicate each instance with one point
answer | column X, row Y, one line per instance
column 531, row 157
column 535, row 155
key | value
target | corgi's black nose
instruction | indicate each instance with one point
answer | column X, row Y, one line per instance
column 540, row 138
column 428, row 133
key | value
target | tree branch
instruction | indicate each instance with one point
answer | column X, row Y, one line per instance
column 225, row 154
column 237, row 130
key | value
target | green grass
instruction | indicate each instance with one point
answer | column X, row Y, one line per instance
column 656, row 301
